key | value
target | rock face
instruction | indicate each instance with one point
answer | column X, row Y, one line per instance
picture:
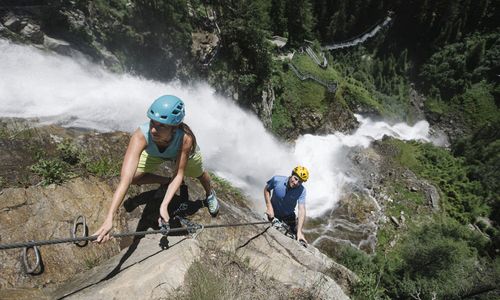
column 132, row 268
column 44, row 213
column 143, row 270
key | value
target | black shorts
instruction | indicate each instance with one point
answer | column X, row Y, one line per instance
column 290, row 220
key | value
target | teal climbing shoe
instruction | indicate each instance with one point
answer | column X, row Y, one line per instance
column 213, row 204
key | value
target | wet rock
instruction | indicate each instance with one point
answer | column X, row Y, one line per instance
column 13, row 23
column 265, row 107
column 60, row 46
column 204, row 45
column 432, row 195
column 33, row 33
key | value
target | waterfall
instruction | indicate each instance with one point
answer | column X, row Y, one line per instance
column 74, row 92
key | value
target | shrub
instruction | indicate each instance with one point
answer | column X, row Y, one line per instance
column 51, row 171
column 68, row 152
column 434, row 259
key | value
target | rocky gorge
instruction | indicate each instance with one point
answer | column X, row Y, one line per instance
column 34, row 210
column 410, row 219
column 127, row 267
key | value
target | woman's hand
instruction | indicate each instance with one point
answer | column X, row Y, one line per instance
column 164, row 217
column 103, row 232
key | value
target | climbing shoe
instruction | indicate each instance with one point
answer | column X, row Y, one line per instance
column 213, row 204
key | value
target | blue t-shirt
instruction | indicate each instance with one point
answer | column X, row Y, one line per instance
column 284, row 199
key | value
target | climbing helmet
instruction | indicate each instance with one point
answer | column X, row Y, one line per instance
column 301, row 172
column 168, row 110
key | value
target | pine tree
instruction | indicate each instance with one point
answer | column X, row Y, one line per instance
column 300, row 21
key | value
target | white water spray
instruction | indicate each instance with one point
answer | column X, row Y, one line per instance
column 234, row 143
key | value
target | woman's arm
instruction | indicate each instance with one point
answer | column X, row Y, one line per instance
column 130, row 161
column 175, row 183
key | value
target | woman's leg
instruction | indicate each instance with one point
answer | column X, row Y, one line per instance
column 205, row 182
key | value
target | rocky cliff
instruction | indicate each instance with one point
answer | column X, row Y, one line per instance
column 229, row 262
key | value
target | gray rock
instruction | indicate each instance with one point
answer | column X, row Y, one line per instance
column 432, row 195
column 144, row 272
column 265, row 107
column 279, row 257
column 43, row 213
column 13, row 23
column 33, row 33
column 58, row 46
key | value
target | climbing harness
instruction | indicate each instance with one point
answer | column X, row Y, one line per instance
column 285, row 229
column 192, row 228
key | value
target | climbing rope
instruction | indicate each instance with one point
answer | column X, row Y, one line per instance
column 30, row 244
column 191, row 228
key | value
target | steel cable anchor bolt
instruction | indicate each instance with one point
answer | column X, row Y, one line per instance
column 165, row 227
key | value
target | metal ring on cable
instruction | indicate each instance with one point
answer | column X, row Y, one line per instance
column 27, row 268
column 80, row 220
column 183, row 206
column 195, row 234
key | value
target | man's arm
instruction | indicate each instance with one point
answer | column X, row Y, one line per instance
column 302, row 218
column 269, row 206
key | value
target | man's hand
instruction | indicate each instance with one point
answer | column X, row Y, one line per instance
column 103, row 232
column 270, row 214
column 300, row 237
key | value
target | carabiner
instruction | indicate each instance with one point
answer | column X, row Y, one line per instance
column 192, row 228
column 80, row 220
column 26, row 266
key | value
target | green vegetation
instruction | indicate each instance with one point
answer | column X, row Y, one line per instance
column 203, row 283
column 223, row 275
column 455, row 67
column 51, row 171
column 68, row 161
column 104, row 167
column 436, row 258
column 449, row 50
column 436, row 254
column 378, row 84
column 226, row 186
column 461, row 196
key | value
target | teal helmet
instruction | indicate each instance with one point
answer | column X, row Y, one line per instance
column 167, row 110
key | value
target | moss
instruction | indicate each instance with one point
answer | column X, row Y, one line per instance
column 477, row 104
column 460, row 195
column 305, row 64
column 355, row 93
column 435, row 105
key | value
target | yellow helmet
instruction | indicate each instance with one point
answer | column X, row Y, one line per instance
column 301, row 172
